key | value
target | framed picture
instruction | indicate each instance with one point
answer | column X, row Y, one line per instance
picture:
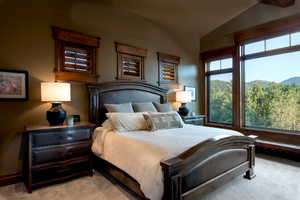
column 192, row 90
column 13, row 85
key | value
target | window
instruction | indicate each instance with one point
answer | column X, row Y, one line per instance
column 271, row 83
column 75, row 55
column 167, row 68
column 130, row 62
column 219, row 79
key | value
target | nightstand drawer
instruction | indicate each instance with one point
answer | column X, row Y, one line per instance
column 60, row 170
column 194, row 121
column 60, row 152
column 60, row 136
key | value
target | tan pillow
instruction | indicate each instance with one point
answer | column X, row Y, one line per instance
column 120, row 108
column 166, row 120
column 127, row 121
column 166, row 107
column 144, row 107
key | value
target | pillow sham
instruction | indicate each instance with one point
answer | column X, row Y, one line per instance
column 166, row 107
column 120, row 108
column 168, row 120
column 144, row 107
column 127, row 121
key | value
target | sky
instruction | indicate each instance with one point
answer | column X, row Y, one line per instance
column 273, row 68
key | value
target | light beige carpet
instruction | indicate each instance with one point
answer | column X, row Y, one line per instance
column 277, row 179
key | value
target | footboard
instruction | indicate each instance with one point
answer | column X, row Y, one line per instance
column 208, row 165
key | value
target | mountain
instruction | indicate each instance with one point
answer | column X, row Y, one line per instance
column 292, row 81
column 261, row 82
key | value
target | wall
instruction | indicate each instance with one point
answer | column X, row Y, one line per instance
column 26, row 44
column 258, row 14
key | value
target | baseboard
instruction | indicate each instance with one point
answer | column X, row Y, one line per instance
column 10, row 179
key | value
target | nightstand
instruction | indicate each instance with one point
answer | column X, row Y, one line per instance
column 56, row 153
column 195, row 120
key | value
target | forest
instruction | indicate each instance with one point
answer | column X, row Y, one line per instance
column 267, row 104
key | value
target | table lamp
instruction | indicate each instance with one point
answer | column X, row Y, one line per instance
column 56, row 93
column 183, row 97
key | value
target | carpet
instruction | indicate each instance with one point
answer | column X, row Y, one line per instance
column 277, row 179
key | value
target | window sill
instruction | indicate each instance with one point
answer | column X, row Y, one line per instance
column 76, row 76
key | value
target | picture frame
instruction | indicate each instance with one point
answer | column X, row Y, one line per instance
column 13, row 85
column 193, row 91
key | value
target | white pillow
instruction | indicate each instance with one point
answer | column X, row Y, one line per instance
column 127, row 121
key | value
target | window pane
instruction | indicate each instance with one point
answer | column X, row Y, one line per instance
column 295, row 39
column 214, row 65
column 272, row 92
column 220, row 98
column 278, row 42
column 254, row 47
column 226, row 63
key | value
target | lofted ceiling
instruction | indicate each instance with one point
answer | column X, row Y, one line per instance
column 186, row 20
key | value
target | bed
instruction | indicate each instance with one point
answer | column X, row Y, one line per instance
column 218, row 159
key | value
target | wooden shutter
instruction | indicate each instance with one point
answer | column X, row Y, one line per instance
column 77, row 59
column 130, row 62
column 167, row 68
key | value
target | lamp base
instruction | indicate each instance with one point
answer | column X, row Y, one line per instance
column 183, row 111
column 56, row 115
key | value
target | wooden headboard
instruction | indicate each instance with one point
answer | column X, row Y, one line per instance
column 118, row 92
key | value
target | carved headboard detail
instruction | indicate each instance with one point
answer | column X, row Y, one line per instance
column 118, row 92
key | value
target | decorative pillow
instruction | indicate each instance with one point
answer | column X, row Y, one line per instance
column 144, row 107
column 127, row 121
column 123, row 108
column 167, row 120
column 166, row 107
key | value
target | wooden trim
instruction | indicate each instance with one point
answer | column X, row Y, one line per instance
column 271, row 52
column 10, row 179
column 217, row 54
column 75, row 37
column 168, row 58
column 164, row 58
column 279, row 3
column 268, row 30
column 222, row 71
column 129, row 49
column 76, row 76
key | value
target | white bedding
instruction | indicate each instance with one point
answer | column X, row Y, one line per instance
column 139, row 153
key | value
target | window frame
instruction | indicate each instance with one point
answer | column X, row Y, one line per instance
column 125, row 53
column 265, row 53
column 207, row 57
column 269, row 30
column 162, row 59
column 64, row 37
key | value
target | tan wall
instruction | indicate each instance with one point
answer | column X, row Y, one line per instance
column 26, row 43
column 258, row 14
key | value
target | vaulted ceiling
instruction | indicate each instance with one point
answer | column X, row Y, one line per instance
column 186, row 20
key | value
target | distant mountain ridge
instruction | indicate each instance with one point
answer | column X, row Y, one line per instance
column 290, row 81
column 294, row 80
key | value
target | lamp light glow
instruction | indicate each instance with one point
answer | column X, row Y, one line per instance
column 55, row 92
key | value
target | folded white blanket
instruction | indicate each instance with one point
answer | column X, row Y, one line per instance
column 139, row 153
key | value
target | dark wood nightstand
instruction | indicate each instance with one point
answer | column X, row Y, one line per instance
column 56, row 153
column 195, row 120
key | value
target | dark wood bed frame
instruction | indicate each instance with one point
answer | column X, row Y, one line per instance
column 196, row 171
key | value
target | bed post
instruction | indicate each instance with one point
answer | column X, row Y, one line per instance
column 251, row 153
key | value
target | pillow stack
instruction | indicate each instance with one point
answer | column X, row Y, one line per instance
column 141, row 116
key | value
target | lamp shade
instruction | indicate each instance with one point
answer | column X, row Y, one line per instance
column 183, row 96
column 55, row 92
